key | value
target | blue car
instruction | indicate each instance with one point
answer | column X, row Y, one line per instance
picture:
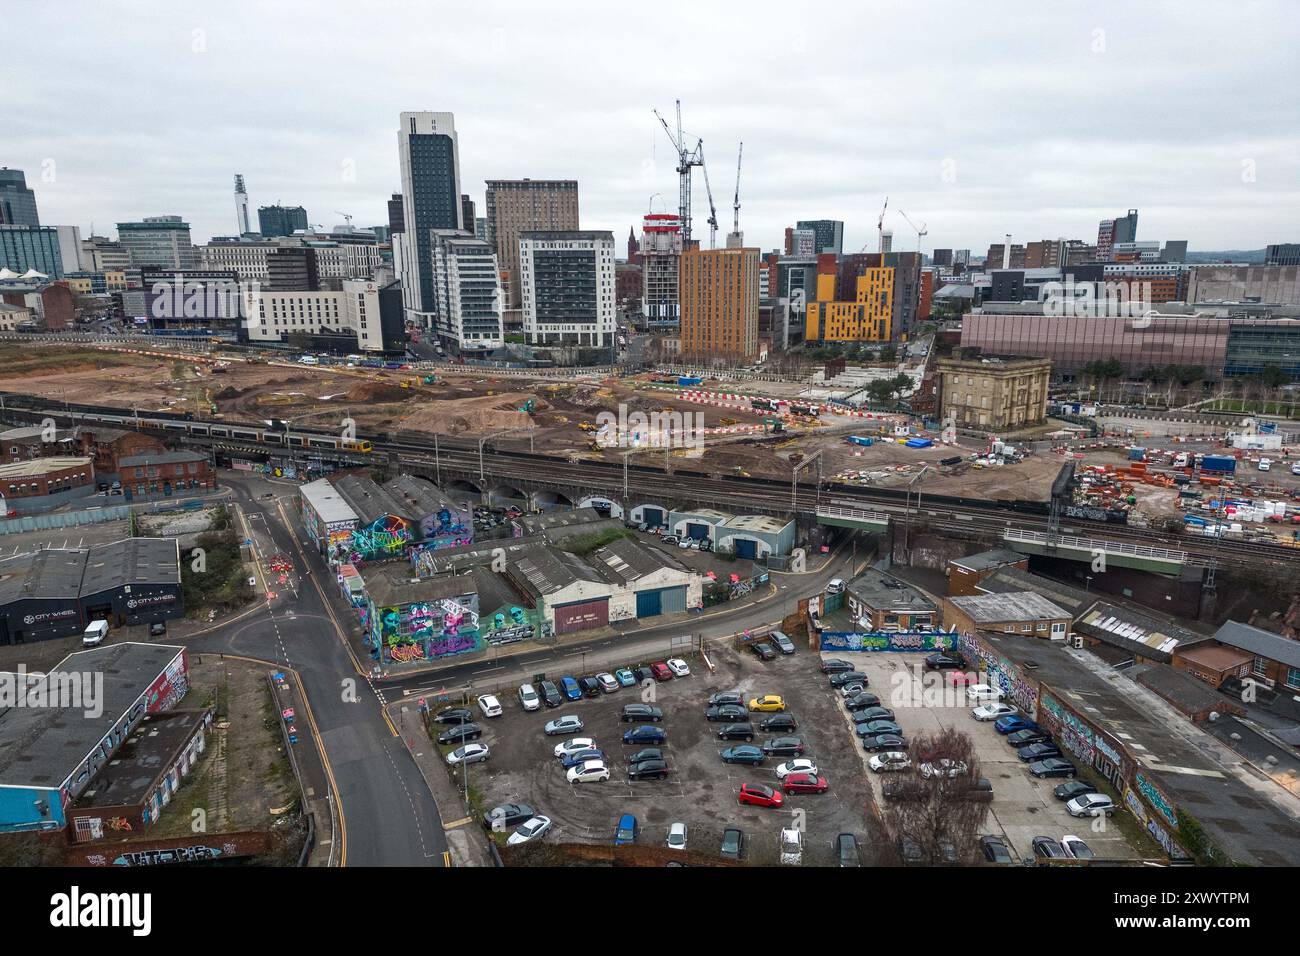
column 645, row 734
column 1013, row 723
column 570, row 688
column 625, row 832
column 625, row 677
column 582, row 756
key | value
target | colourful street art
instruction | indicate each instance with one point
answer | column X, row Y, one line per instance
column 1001, row 674
column 510, row 624
column 425, row 630
column 1075, row 735
column 888, row 641
column 385, row 538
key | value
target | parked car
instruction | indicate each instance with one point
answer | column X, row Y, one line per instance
column 873, row 728
column 767, row 703
column 852, row 689
column 942, row 662
column 507, row 815
column 995, row 850
column 805, row 783
column 732, row 713
column 157, row 628
column 590, row 686
column 677, row 836
column 798, row 765
column 790, row 844
column 1031, row 735
column 763, row 651
column 568, row 724
column 835, row 586
column 528, row 697
column 733, row 843
column 678, row 666
column 890, row 760
column 945, row 767
column 625, row 677
column 646, row 753
column 979, row 791
column 643, row 675
column 490, row 706
column 871, row 713
column 670, row 539
column 573, row 746
column 582, row 756
column 880, row 742
column 589, row 772
column 861, row 700
column 833, row 665
column 570, row 688
column 455, row 715
column 460, row 733
column 1090, row 805
column 743, row 754
column 1052, row 767
column 470, row 753
column 782, row 642
column 625, row 831
column 759, row 795
column 846, row 848
column 1075, row 848
column 1013, row 723
column 530, row 830
column 1045, row 848
column 849, row 677
column 1073, row 788
column 661, row 671
column 736, row 732
column 778, row 723
column 1035, row 752
column 640, row 712
column 784, row 747
column 608, row 683
column 647, row 770
column 551, row 695
column 726, row 697
column 645, row 734
column 992, row 711
column 983, row 692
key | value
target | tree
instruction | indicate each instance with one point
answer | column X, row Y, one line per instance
column 937, row 814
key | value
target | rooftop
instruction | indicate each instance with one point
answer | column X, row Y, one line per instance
column 547, row 570
column 326, row 501
column 880, row 592
column 1136, row 632
column 369, row 500
column 422, row 498
column 161, row 458
column 1260, row 643
column 1216, row 656
column 132, row 561
column 395, row 583
column 1008, row 606
column 42, row 575
column 625, row 561
column 1010, row 578
column 1188, row 694
column 36, row 467
column 985, row 560
column 763, row 524
column 146, row 755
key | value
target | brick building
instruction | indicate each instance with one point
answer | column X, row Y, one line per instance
column 1024, row 613
column 166, row 473
column 42, row 484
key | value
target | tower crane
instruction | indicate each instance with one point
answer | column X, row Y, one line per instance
column 920, row 230
column 708, row 190
column 686, row 159
column 880, row 230
column 346, row 216
column 735, row 203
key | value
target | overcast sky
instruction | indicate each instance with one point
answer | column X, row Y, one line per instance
column 1036, row 119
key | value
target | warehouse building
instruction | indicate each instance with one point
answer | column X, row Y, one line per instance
column 329, row 520
column 965, row 574
column 700, row 524
column 571, row 595
column 437, row 521
column 1013, row 612
column 755, row 537
column 881, row 603
column 649, row 581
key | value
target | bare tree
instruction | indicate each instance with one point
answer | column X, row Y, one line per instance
column 936, row 820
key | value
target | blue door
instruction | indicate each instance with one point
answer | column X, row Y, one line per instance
column 649, row 603
column 697, row 531
column 746, row 548
column 652, row 516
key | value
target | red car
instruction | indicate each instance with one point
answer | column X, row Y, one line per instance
column 757, row 795
column 805, row 783
column 961, row 678
column 660, row 671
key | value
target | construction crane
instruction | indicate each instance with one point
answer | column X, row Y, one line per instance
column 685, row 160
column 346, row 216
column 708, row 190
column 735, row 203
column 920, row 230
column 880, row 230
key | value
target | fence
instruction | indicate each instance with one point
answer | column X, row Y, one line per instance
column 66, row 519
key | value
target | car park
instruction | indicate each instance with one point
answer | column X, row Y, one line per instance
column 590, row 772
column 677, row 836
column 763, row 651
column 736, row 732
column 590, row 686
column 490, row 706
column 833, row 665
column 733, row 843
column 455, row 715
column 1036, row 752
column 798, row 765
column 647, row 770
column 1045, row 848
column 507, row 815
column 640, row 712
column 940, row 662
column 460, row 733
column 1023, row 738
column 995, row 850
column 726, row 697
column 1052, row 767
column 873, row 728
column 732, row 713
column 573, row 746
column 945, row 767
column 1075, row 848
column 581, row 756
column 643, row 675
column 778, row 723
column 867, row 714
column 678, row 666
column 569, row 687
column 767, row 703
column 1073, row 788
column 848, row 677
column 470, row 753
column 880, row 742
column 1014, row 723
column 625, row 677
column 608, row 683
column 759, row 795
column 846, row 848
column 744, row 754
column 568, row 724
column 528, row 697
column 983, row 692
column 645, row 734
column 889, row 760
column 784, row 747
column 986, row 712
column 782, row 642
column 551, row 695
column 530, row 830
column 805, row 783
column 660, row 671
column 851, row 689
column 625, row 830
column 1090, row 805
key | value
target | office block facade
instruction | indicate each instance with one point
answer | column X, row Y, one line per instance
column 24, row 248
column 158, row 241
column 567, row 287
column 17, row 201
column 828, row 234
column 516, row 206
column 468, row 297
column 867, row 317
column 429, row 154
column 719, row 304
column 276, row 221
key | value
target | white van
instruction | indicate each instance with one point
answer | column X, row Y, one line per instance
column 528, row 697
column 94, row 634
column 1265, row 464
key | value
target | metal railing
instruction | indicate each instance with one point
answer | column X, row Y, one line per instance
column 1096, row 544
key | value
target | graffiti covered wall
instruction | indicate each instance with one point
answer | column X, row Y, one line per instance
column 887, row 641
column 424, row 630
column 386, row 537
column 1002, row 674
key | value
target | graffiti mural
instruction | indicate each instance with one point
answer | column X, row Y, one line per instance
column 385, row 538
column 888, row 641
column 1074, row 735
column 447, row 529
column 510, row 624
column 425, row 630
column 1001, row 674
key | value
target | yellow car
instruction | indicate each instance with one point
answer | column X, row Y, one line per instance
column 767, row 702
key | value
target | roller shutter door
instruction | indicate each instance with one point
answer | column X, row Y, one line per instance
column 746, row 548
column 652, row 516
column 649, row 603
column 699, row 532
column 581, row 615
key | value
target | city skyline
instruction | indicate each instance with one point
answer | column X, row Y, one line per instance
column 974, row 146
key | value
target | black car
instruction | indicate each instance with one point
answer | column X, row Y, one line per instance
column 460, row 733
column 590, row 686
column 874, row 743
column 763, row 651
column 782, row 642
column 647, row 770
column 732, row 713
column 744, row 753
column 846, row 846
column 157, row 628
column 507, row 815
column 726, row 697
column 1038, row 752
column 639, row 713
column 1052, row 767
column 943, row 662
column 873, row 728
column 1045, row 848
column 778, row 723
column 784, row 747
column 833, row 665
column 1023, row 738
column 455, row 715
column 646, row 753
column 550, row 694
column 733, row 843
column 871, row 713
column 1072, row 789
column 736, row 732
column 848, row 677
column 859, row 701
column 995, row 849
column 643, row 674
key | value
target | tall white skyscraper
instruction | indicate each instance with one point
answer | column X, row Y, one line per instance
column 241, row 204
column 430, row 161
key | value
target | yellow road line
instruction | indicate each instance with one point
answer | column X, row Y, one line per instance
column 457, row 823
